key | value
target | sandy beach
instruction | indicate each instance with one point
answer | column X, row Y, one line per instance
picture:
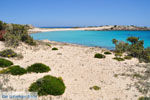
column 79, row 69
column 35, row 30
column 100, row 28
column 75, row 50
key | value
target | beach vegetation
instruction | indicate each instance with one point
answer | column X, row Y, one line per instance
column 98, row 55
column 118, row 58
column 144, row 98
column 133, row 40
column 17, row 70
column 48, row 85
column 5, row 63
column 115, row 75
column 128, row 57
column 8, row 53
column 121, row 47
column 135, row 48
column 137, row 75
column 14, row 70
column 54, row 48
column 114, row 41
column 2, row 25
column 118, row 54
column 13, row 34
column 4, row 71
column 107, row 53
column 11, row 40
column 28, row 39
column 48, row 44
column 95, row 88
column 38, row 68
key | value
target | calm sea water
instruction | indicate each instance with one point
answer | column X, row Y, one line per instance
column 93, row 38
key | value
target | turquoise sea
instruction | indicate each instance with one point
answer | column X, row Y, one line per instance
column 93, row 38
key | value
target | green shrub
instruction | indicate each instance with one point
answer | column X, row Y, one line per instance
column 144, row 98
column 115, row 75
column 128, row 57
column 5, row 63
column 95, row 88
column 4, row 71
column 8, row 53
column 98, row 55
column 17, row 70
column 118, row 54
column 114, row 41
column 38, row 68
column 107, row 52
column 118, row 59
column 134, row 49
column 14, row 70
column 11, row 40
column 48, row 44
column 137, row 75
column 121, row 47
column 145, row 56
column 133, row 40
column 27, row 39
column 16, row 33
column 48, row 85
column 54, row 48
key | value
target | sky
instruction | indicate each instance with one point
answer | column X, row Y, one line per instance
column 51, row 13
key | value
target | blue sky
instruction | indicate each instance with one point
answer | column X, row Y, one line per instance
column 76, row 12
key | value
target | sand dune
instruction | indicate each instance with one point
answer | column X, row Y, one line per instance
column 79, row 70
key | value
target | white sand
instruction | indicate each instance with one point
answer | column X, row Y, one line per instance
column 79, row 70
column 34, row 30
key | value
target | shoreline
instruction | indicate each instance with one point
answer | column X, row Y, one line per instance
column 101, row 28
column 74, row 44
column 71, row 44
column 38, row 30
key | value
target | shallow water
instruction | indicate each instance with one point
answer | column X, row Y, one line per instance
column 92, row 38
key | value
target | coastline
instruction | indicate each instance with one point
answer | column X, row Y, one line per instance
column 38, row 30
column 101, row 28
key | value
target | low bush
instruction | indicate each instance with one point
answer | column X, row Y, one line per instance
column 120, row 46
column 15, row 33
column 5, row 63
column 8, row 53
column 118, row 59
column 118, row 54
column 4, row 71
column 95, row 88
column 11, row 40
column 38, row 68
column 48, row 85
column 14, row 70
column 134, row 49
column 28, row 39
column 107, row 53
column 98, row 55
column 54, row 48
column 48, row 44
column 144, row 98
column 128, row 57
